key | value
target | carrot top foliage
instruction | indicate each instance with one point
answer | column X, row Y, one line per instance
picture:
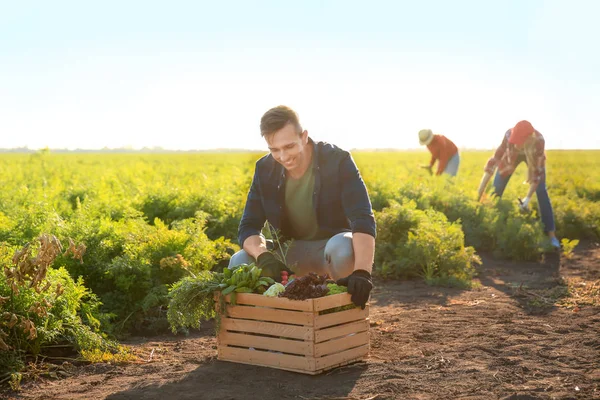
column 148, row 220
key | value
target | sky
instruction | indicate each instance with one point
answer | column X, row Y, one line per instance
column 199, row 75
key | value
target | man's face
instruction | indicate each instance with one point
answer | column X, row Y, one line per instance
column 288, row 147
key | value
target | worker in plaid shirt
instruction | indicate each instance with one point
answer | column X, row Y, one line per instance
column 311, row 192
column 522, row 143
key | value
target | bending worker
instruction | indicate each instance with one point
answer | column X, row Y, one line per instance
column 442, row 150
column 522, row 144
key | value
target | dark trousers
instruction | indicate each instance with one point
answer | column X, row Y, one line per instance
column 541, row 192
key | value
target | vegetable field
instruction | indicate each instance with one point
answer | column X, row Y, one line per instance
column 469, row 301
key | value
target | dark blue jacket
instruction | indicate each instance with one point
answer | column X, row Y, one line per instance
column 340, row 196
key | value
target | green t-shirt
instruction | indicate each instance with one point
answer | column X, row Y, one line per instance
column 299, row 206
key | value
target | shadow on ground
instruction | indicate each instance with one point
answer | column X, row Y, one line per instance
column 223, row 380
column 522, row 280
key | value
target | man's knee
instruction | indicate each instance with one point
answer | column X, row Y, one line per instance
column 241, row 257
column 340, row 246
column 339, row 254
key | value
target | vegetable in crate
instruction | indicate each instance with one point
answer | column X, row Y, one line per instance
column 336, row 289
column 245, row 278
column 307, row 287
column 274, row 290
column 284, row 278
column 192, row 298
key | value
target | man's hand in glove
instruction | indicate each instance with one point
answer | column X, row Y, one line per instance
column 271, row 266
column 359, row 285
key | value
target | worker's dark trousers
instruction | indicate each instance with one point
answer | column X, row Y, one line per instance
column 544, row 204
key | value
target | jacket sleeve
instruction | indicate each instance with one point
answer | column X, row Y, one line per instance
column 254, row 216
column 492, row 163
column 355, row 198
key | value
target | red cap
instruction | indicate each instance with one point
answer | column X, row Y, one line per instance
column 520, row 133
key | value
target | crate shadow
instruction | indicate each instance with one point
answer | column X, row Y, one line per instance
column 225, row 380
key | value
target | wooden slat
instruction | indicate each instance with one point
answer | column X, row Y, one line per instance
column 320, row 371
column 322, row 335
column 267, row 328
column 345, row 356
column 268, row 343
column 271, row 314
column 273, row 302
column 300, row 371
column 323, row 346
column 322, row 321
column 335, row 300
column 267, row 359
column 325, row 363
column 341, row 344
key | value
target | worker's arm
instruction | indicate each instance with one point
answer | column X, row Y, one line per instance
column 442, row 161
column 491, row 165
column 359, row 282
column 483, row 184
column 255, row 245
column 364, row 251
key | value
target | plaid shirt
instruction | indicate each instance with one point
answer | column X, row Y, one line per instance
column 340, row 196
column 507, row 155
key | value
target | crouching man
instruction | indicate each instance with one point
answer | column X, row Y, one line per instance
column 313, row 193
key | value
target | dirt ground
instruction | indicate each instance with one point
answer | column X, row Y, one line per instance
column 502, row 340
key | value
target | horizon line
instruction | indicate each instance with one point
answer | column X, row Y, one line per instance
column 158, row 150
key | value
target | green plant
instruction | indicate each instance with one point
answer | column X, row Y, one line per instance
column 44, row 306
column 192, row 299
column 281, row 244
column 150, row 219
column 568, row 246
column 119, row 355
column 413, row 243
column 15, row 381
column 518, row 237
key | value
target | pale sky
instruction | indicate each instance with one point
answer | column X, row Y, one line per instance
column 361, row 74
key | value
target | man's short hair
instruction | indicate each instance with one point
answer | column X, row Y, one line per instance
column 277, row 118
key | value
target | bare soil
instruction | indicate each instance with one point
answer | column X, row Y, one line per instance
column 506, row 339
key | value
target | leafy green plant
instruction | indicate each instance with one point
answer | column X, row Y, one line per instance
column 150, row 219
column 120, row 355
column 518, row 237
column 131, row 264
column 44, row 306
column 282, row 244
column 415, row 243
column 568, row 246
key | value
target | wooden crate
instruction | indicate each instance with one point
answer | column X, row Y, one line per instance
column 293, row 334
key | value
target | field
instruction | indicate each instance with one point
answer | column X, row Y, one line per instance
column 468, row 301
